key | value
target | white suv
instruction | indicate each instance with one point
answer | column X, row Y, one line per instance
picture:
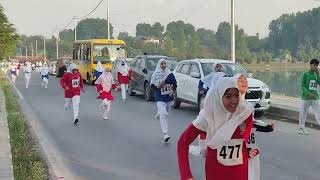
column 189, row 72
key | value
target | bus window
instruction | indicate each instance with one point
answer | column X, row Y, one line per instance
column 104, row 52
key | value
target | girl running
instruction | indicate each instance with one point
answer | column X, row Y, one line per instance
column 124, row 75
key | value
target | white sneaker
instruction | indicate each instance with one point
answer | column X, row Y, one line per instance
column 105, row 118
column 166, row 138
column 302, row 131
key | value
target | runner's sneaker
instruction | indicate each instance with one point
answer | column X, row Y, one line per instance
column 76, row 121
column 302, row 131
column 166, row 138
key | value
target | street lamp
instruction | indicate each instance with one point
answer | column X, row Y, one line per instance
column 233, row 49
column 108, row 17
column 75, row 28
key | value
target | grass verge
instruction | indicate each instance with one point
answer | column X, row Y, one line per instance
column 26, row 158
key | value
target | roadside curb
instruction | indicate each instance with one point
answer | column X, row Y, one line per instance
column 290, row 114
column 6, row 168
column 57, row 169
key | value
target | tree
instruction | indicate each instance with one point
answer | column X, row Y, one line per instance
column 157, row 30
column 8, row 36
column 168, row 45
column 143, row 29
column 195, row 48
column 93, row 28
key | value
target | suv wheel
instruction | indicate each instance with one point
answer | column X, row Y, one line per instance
column 130, row 90
column 147, row 92
column 258, row 114
column 201, row 102
column 176, row 103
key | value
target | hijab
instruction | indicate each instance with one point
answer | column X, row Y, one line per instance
column 99, row 67
column 215, row 119
column 160, row 75
column 106, row 80
column 123, row 68
column 208, row 78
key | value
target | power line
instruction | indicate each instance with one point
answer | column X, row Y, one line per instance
column 68, row 24
column 91, row 10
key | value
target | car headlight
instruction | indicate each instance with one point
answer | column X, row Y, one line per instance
column 264, row 86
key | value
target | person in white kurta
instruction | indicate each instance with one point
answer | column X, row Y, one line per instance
column 27, row 73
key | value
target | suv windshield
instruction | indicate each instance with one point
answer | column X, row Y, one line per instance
column 229, row 69
column 152, row 63
column 106, row 52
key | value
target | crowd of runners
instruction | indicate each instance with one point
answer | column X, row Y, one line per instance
column 225, row 126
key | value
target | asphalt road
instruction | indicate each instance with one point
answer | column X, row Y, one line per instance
column 129, row 145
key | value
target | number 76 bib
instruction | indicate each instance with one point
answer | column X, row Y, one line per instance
column 230, row 153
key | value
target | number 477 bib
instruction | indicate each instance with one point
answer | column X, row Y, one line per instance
column 230, row 153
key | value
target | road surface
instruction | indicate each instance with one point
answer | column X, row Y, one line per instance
column 129, row 145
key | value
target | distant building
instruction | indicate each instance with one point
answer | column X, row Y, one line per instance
column 149, row 39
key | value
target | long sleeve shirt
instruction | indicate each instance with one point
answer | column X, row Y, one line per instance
column 309, row 84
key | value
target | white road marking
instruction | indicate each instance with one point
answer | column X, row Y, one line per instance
column 16, row 89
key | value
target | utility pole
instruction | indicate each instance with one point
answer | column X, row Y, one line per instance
column 108, row 18
column 75, row 28
column 36, row 48
column 57, row 46
column 26, row 51
column 233, row 48
column 21, row 51
column 31, row 51
column 44, row 48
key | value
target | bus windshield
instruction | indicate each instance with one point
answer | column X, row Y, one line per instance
column 108, row 52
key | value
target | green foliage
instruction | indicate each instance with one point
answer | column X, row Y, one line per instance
column 93, row 28
column 8, row 36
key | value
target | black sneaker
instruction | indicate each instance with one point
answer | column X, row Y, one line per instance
column 76, row 121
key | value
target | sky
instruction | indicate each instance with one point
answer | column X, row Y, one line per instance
column 34, row 17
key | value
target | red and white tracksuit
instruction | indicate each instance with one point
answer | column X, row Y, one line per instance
column 124, row 81
column 72, row 84
column 213, row 169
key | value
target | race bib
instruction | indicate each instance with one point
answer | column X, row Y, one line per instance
column 167, row 89
column 313, row 85
column 230, row 153
column 252, row 139
column 75, row 83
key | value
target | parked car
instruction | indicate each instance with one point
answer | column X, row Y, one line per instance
column 62, row 65
column 142, row 68
column 115, row 64
column 53, row 68
column 189, row 72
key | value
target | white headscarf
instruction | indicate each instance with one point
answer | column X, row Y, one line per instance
column 72, row 67
column 106, row 80
column 99, row 67
column 44, row 70
column 160, row 75
column 215, row 119
column 123, row 70
column 208, row 78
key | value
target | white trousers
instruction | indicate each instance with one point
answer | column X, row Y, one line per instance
column 106, row 105
column 45, row 82
column 13, row 78
column 163, row 111
column 304, row 108
column 254, row 168
column 124, row 88
column 75, row 105
column 27, row 77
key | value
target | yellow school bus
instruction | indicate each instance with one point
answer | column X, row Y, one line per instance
column 87, row 53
